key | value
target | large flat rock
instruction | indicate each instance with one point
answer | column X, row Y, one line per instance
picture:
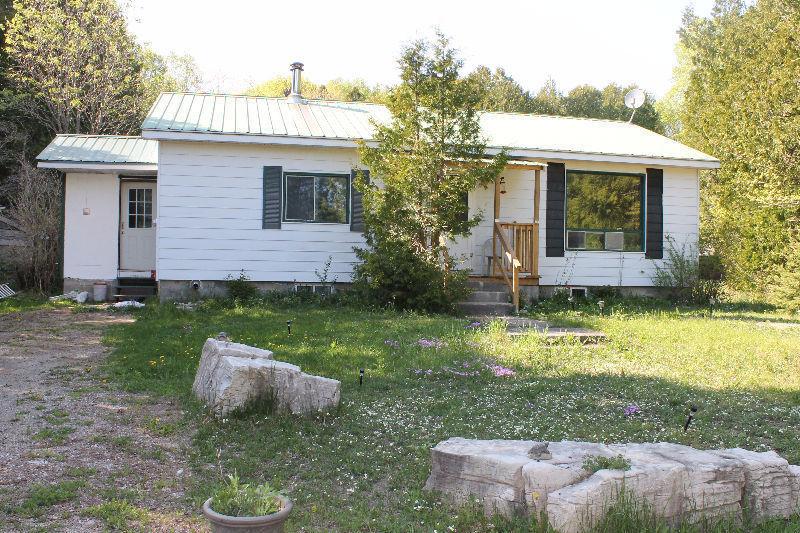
column 679, row 483
column 232, row 376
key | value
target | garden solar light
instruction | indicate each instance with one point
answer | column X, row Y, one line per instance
column 289, row 326
column 602, row 305
column 571, row 300
column 360, row 377
column 692, row 411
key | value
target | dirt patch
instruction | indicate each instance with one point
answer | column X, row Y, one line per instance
column 76, row 453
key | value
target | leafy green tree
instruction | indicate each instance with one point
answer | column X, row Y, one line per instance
column 609, row 103
column 81, row 67
column 549, row 100
column 427, row 158
column 337, row 89
column 500, row 91
column 741, row 106
column 670, row 106
column 20, row 137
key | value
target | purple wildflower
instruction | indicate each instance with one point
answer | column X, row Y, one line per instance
column 632, row 409
column 501, row 371
column 431, row 343
column 473, row 325
column 392, row 343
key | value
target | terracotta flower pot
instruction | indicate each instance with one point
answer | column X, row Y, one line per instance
column 272, row 523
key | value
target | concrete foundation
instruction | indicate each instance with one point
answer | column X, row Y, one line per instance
column 80, row 285
column 547, row 291
column 187, row 290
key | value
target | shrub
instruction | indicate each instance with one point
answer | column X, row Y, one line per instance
column 784, row 288
column 391, row 274
column 681, row 275
column 710, row 267
column 680, row 271
column 240, row 288
column 242, row 499
column 606, row 292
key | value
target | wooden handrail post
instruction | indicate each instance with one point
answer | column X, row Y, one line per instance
column 537, row 191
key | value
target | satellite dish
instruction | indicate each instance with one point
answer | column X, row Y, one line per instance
column 634, row 100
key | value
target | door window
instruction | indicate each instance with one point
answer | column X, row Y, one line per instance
column 140, row 208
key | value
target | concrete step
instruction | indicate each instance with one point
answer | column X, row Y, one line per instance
column 489, row 296
column 486, row 308
column 485, row 284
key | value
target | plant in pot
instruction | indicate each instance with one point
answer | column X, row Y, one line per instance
column 244, row 508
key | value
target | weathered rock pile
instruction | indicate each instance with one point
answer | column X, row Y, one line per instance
column 680, row 484
column 232, row 376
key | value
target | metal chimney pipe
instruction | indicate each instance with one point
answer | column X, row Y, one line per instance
column 295, row 95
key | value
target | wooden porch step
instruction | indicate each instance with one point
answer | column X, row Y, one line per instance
column 135, row 289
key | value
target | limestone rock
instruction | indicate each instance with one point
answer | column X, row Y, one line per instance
column 230, row 376
column 679, row 483
column 795, row 471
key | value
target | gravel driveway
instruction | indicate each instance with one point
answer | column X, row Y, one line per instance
column 76, row 454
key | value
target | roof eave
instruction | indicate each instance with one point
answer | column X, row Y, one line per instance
column 101, row 167
column 532, row 153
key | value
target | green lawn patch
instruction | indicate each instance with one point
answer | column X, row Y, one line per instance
column 428, row 378
column 117, row 514
column 41, row 497
column 29, row 302
column 54, row 435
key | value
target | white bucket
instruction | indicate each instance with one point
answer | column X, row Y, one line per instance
column 100, row 292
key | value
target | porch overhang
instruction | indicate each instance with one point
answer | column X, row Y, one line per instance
column 517, row 163
column 132, row 169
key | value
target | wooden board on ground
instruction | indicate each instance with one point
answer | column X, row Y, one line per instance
column 518, row 326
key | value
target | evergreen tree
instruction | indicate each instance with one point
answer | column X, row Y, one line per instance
column 427, row 158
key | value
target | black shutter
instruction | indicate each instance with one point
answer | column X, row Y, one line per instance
column 554, row 213
column 357, row 211
column 655, row 214
column 273, row 197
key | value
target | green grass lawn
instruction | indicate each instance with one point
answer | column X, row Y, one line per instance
column 25, row 302
column 363, row 467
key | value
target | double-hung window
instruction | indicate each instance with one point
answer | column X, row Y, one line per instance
column 317, row 198
column 605, row 211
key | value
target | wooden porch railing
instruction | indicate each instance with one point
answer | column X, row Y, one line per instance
column 515, row 251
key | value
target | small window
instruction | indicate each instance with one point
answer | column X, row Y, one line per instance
column 578, row 292
column 317, row 198
column 140, row 208
column 604, row 211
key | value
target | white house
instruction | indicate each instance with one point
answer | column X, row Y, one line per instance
column 218, row 184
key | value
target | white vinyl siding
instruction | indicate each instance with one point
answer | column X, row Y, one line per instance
column 210, row 209
column 582, row 268
column 91, row 240
column 210, row 215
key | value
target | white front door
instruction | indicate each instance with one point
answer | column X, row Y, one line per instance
column 137, row 230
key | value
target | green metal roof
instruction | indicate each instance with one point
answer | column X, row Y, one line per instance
column 111, row 149
column 175, row 114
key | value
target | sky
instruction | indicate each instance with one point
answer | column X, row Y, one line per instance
column 237, row 43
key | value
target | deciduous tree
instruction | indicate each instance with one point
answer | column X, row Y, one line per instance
column 80, row 65
column 741, row 105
